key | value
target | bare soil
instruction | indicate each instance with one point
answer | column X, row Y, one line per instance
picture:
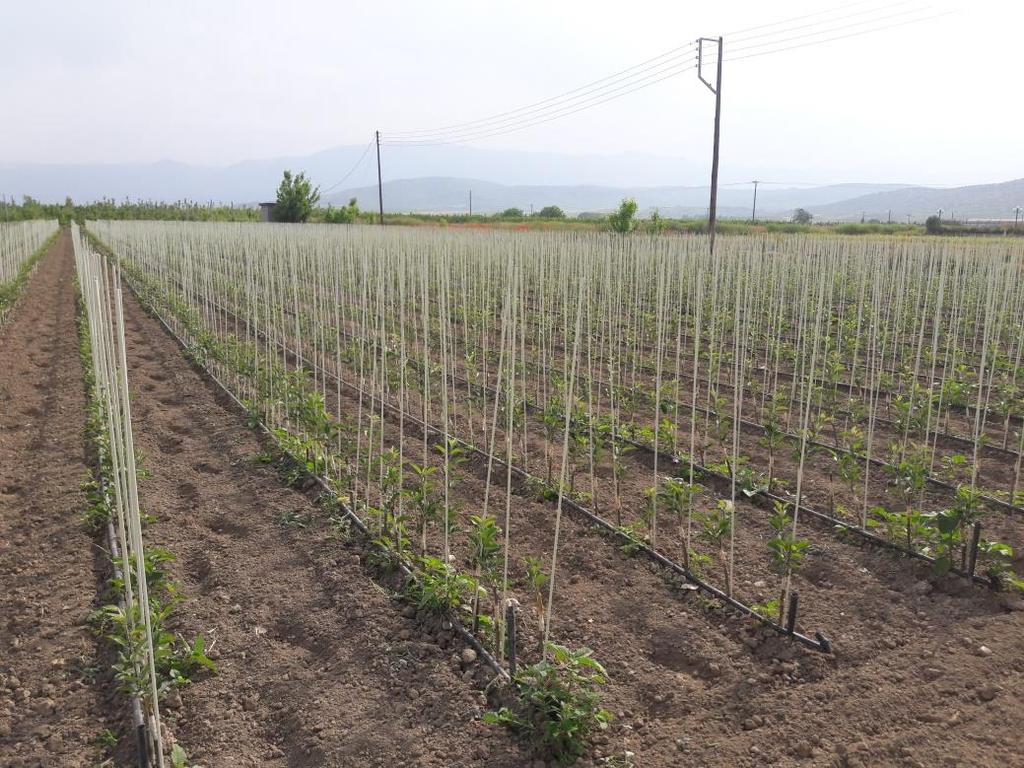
column 317, row 664
column 54, row 703
column 913, row 681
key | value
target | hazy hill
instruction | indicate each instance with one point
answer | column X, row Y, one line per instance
column 438, row 179
column 451, row 195
column 979, row 201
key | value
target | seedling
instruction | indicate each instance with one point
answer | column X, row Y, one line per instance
column 485, row 545
column 715, row 525
column 439, row 588
column 561, row 703
column 538, row 582
column 787, row 551
column 424, row 501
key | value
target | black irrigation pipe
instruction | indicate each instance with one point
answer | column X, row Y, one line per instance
column 404, row 567
column 949, row 436
column 819, row 643
column 764, row 494
column 992, row 500
column 705, row 471
column 822, row 516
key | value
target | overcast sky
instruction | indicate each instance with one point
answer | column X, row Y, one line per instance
column 939, row 102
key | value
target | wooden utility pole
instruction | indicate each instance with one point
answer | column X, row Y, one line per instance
column 380, row 185
column 753, row 212
column 717, row 90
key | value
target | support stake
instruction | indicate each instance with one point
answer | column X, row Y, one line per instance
column 794, row 601
column 972, row 554
column 510, row 624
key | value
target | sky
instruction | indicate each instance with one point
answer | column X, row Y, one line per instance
column 216, row 82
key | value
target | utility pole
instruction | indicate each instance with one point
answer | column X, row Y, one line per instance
column 471, row 202
column 717, row 90
column 890, row 215
column 753, row 212
column 1016, row 215
column 380, row 185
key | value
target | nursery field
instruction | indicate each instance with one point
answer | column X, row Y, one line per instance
column 396, row 496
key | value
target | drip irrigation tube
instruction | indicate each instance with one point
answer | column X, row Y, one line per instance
column 822, row 516
column 820, row 642
column 404, row 567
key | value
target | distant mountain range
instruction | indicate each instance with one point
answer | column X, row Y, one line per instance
column 440, row 180
column 838, row 202
column 451, row 195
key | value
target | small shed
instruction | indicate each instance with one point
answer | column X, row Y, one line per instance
column 267, row 211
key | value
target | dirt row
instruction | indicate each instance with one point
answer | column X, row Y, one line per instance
column 659, row 647
column 317, row 664
column 56, row 700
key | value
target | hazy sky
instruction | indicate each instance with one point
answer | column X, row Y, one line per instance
column 215, row 82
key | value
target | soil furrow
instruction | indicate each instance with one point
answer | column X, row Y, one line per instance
column 317, row 666
column 52, row 709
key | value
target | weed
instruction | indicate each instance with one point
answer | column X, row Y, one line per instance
column 561, row 702
column 295, row 519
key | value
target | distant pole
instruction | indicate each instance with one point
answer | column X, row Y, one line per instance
column 908, row 219
column 717, row 90
column 1017, row 215
column 753, row 213
column 890, row 215
column 380, row 185
column 940, row 214
column 471, row 202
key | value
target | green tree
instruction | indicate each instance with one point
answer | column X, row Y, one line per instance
column 933, row 225
column 296, row 198
column 347, row 214
column 512, row 213
column 802, row 216
column 624, row 219
column 551, row 212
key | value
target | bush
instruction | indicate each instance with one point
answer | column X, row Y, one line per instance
column 624, row 219
column 933, row 225
column 551, row 212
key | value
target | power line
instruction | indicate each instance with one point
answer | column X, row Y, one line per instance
column 351, row 170
column 602, row 84
column 644, row 75
column 557, row 102
column 739, row 32
column 540, row 119
column 816, row 33
column 884, row 7
column 841, row 37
